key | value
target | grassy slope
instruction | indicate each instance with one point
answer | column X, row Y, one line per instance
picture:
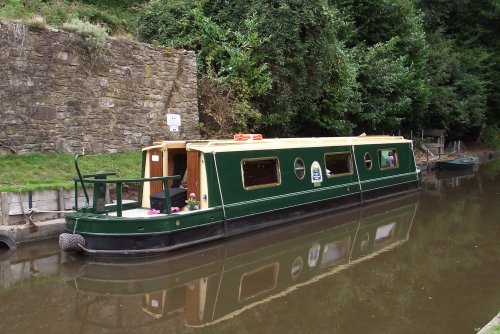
column 37, row 171
column 118, row 16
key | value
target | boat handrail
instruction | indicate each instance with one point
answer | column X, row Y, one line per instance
column 118, row 187
column 80, row 178
column 131, row 180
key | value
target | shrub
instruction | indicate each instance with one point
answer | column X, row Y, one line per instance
column 92, row 37
column 491, row 137
column 37, row 22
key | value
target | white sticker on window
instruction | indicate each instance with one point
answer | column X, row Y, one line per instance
column 316, row 175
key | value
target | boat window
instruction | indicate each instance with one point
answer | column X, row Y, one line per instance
column 299, row 167
column 388, row 158
column 260, row 173
column 335, row 252
column 338, row 164
column 368, row 161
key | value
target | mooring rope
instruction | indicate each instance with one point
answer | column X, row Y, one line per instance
column 35, row 210
column 357, row 172
column 220, row 192
column 74, row 228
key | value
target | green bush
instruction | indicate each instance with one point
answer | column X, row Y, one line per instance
column 15, row 9
column 93, row 37
column 491, row 137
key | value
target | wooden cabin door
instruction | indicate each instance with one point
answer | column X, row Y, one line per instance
column 193, row 173
column 155, row 169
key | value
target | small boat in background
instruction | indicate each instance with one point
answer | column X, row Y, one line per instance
column 461, row 163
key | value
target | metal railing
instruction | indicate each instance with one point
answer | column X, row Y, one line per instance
column 99, row 181
column 118, row 188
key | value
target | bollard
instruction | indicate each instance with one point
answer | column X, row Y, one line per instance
column 60, row 202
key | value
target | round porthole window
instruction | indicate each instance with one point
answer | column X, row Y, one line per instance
column 299, row 168
column 297, row 266
column 368, row 160
column 364, row 241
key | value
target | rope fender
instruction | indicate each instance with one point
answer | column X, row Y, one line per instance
column 71, row 242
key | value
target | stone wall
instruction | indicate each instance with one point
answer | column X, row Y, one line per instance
column 55, row 96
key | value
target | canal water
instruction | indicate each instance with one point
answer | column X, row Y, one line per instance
column 426, row 263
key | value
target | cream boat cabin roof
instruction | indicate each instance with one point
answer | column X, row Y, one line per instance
column 230, row 145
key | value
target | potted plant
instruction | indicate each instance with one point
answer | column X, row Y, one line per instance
column 192, row 202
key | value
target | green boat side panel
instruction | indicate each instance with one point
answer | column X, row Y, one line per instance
column 293, row 191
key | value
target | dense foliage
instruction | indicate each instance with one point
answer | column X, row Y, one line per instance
column 339, row 66
column 326, row 67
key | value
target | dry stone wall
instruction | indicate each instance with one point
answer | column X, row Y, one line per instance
column 55, row 96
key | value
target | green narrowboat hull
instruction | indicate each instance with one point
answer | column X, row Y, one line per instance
column 230, row 208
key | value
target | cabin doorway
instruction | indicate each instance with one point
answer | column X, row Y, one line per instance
column 175, row 161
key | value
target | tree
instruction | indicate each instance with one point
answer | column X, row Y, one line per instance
column 231, row 73
column 463, row 45
column 392, row 53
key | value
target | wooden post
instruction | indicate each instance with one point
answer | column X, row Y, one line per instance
column 4, row 202
column 60, row 202
column 119, row 207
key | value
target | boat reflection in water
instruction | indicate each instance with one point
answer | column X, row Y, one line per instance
column 206, row 285
column 436, row 184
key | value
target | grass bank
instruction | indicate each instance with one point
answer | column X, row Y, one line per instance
column 494, row 330
column 117, row 16
column 42, row 171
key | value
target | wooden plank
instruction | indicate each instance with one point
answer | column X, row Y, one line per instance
column 4, row 202
column 155, row 169
column 193, row 170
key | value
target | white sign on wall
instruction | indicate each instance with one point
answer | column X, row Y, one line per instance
column 173, row 120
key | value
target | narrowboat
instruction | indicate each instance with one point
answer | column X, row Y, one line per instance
column 208, row 284
column 195, row 191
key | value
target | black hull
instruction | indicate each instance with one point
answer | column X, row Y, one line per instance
column 145, row 244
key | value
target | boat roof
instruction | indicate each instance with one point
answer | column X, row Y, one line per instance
column 231, row 145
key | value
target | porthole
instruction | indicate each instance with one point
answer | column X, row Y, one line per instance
column 297, row 266
column 364, row 241
column 299, row 168
column 368, row 161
